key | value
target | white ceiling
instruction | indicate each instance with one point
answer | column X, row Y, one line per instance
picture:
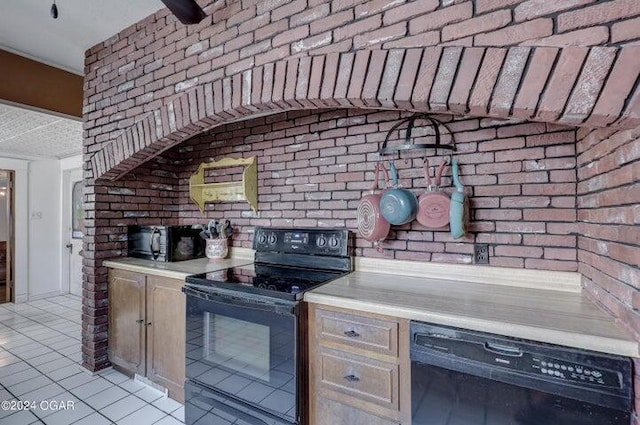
column 26, row 28
column 25, row 133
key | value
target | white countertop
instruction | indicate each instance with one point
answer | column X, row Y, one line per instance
column 563, row 317
column 538, row 305
column 180, row 269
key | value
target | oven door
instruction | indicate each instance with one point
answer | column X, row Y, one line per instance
column 244, row 347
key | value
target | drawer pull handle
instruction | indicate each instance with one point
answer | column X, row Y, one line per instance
column 352, row 334
column 352, row 378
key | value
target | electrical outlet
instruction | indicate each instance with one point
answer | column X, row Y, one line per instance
column 481, row 253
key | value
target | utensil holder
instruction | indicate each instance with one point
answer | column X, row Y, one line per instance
column 217, row 248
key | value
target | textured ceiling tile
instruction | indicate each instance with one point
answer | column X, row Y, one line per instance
column 29, row 133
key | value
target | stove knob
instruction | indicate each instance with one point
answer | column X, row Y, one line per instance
column 262, row 239
column 272, row 239
column 321, row 241
column 333, row 242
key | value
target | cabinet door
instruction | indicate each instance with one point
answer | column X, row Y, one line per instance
column 126, row 317
column 166, row 309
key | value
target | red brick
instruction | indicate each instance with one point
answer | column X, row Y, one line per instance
column 372, row 81
column 291, row 83
column 617, row 87
column 561, row 82
column 532, row 9
column 483, row 6
column 425, row 77
column 430, row 38
column 441, row 17
column 487, row 77
column 279, row 77
column 534, row 82
column 509, row 81
column 355, row 28
column 288, row 9
column 310, row 15
column 516, row 33
column 598, row 14
column 336, row 20
column 304, row 74
column 343, row 78
column 389, row 82
column 358, row 77
column 381, row 35
column 329, row 77
column 477, row 25
column 315, row 81
column 404, row 12
column 444, row 78
column 375, row 6
column 625, row 30
column 290, row 36
column 469, row 66
column 589, row 84
column 586, row 37
column 404, row 86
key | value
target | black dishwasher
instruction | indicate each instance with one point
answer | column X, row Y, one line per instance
column 461, row 377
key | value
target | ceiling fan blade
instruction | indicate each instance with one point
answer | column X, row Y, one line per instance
column 187, row 11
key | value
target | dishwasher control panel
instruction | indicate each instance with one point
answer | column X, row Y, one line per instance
column 575, row 372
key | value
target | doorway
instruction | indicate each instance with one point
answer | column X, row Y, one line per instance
column 73, row 230
column 6, row 236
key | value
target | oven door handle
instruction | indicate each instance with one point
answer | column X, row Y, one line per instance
column 244, row 301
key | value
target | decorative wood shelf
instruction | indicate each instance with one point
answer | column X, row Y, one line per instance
column 245, row 190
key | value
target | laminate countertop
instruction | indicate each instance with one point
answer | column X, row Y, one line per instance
column 177, row 270
column 562, row 315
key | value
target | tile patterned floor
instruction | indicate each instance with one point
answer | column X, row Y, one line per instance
column 40, row 365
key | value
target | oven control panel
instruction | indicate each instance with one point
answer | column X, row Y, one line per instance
column 318, row 241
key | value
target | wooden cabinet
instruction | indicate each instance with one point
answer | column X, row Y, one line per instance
column 359, row 368
column 126, row 320
column 147, row 328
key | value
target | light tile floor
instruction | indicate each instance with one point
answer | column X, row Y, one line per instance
column 40, row 364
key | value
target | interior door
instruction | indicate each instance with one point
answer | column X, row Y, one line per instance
column 74, row 230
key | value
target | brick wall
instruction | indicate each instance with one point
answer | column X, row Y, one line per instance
column 609, row 217
column 138, row 76
column 314, row 168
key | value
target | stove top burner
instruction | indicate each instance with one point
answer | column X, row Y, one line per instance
column 265, row 279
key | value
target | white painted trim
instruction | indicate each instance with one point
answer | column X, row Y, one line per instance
column 523, row 278
column 49, row 294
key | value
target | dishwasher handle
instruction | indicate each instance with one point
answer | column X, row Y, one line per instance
column 503, row 350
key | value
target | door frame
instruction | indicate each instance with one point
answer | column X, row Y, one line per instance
column 20, row 227
column 68, row 176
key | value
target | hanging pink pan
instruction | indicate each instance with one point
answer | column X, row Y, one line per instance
column 372, row 226
column 434, row 205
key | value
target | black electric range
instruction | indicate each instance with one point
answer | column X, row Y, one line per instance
column 244, row 330
column 288, row 283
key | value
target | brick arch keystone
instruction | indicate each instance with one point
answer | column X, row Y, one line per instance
column 584, row 86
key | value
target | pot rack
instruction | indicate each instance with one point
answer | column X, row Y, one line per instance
column 408, row 145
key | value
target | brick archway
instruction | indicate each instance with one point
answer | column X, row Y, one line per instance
column 584, row 86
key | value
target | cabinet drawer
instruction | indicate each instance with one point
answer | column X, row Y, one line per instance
column 330, row 412
column 362, row 332
column 366, row 379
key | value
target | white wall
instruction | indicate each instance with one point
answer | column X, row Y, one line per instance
column 38, row 218
column 44, row 243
